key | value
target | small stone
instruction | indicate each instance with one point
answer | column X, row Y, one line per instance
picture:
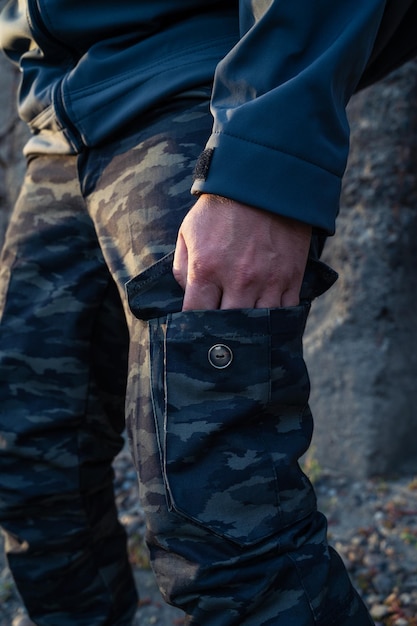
column 373, row 599
column 373, row 561
column 393, row 597
column 382, row 583
column 405, row 599
column 379, row 611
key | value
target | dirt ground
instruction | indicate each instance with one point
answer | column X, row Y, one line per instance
column 372, row 523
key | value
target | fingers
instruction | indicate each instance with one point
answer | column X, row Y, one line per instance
column 279, row 298
column 199, row 294
column 231, row 256
column 202, row 293
column 200, row 297
column 290, row 297
column 255, row 294
column 206, row 296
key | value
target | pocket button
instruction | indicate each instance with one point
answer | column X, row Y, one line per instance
column 220, row 356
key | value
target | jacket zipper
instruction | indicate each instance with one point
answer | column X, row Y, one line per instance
column 47, row 42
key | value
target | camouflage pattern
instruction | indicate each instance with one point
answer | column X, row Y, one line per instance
column 232, row 526
column 61, row 408
column 229, row 509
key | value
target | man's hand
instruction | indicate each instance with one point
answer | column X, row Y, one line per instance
column 231, row 255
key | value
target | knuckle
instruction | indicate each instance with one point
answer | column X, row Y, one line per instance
column 202, row 270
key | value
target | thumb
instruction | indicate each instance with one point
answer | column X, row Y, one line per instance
column 180, row 263
column 198, row 294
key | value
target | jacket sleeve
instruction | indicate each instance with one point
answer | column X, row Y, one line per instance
column 280, row 138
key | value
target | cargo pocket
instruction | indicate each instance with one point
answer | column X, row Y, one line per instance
column 230, row 395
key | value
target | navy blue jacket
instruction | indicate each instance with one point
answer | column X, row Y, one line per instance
column 284, row 72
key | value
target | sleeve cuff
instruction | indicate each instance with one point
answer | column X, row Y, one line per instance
column 268, row 179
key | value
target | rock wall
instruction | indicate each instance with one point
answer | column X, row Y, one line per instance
column 361, row 341
column 361, row 344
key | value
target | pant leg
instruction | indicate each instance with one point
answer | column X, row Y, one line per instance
column 63, row 345
column 230, row 512
column 233, row 530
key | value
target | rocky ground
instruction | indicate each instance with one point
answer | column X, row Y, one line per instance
column 372, row 523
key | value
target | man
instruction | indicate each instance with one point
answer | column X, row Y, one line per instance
column 217, row 391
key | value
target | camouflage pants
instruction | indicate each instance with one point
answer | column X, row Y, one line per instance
column 216, row 406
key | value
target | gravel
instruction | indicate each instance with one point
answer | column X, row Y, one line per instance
column 372, row 524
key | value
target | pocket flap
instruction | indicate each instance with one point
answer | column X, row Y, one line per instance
column 155, row 292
